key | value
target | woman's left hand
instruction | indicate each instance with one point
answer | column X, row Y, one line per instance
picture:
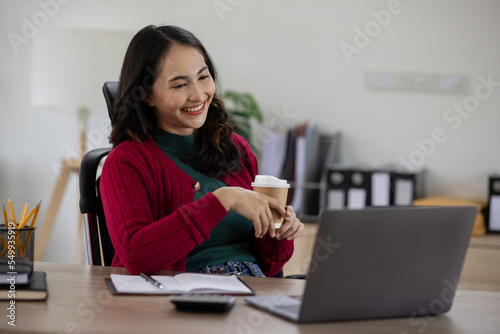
column 292, row 227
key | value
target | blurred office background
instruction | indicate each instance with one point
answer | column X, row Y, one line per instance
column 288, row 54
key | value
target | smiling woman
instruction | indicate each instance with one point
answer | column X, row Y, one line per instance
column 153, row 67
column 176, row 187
column 181, row 94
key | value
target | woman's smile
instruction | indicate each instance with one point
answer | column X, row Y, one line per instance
column 195, row 110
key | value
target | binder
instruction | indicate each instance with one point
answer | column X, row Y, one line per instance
column 380, row 188
column 314, row 167
column 273, row 153
column 288, row 171
column 405, row 187
column 300, row 168
column 337, row 180
column 359, row 189
column 328, row 153
column 348, row 187
column 315, row 154
column 494, row 203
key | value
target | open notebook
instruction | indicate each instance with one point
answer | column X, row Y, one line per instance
column 178, row 284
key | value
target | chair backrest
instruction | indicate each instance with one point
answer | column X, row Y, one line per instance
column 109, row 89
column 100, row 250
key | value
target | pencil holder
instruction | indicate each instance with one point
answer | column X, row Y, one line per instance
column 17, row 250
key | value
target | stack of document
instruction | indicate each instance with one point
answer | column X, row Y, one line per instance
column 300, row 156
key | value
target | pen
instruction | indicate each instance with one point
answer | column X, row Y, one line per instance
column 152, row 281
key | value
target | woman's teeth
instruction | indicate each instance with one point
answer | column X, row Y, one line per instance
column 194, row 108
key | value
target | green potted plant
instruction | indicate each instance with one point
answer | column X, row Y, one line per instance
column 243, row 111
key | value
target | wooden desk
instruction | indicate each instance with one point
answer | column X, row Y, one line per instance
column 79, row 302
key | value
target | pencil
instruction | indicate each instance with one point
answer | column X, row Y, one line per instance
column 12, row 215
column 18, row 233
column 37, row 210
column 4, row 243
column 23, row 222
column 23, row 215
column 5, row 217
column 28, row 236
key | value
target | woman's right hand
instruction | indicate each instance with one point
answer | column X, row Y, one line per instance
column 252, row 205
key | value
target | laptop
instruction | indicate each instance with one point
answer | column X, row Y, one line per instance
column 380, row 262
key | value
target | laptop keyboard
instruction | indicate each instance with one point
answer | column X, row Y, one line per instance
column 285, row 303
column 289, row 308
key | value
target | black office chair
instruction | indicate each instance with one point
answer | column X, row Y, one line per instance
column 100, row 250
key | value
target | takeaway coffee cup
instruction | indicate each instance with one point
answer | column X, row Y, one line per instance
column 272, row 187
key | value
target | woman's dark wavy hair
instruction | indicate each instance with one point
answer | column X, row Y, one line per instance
column 133, row 119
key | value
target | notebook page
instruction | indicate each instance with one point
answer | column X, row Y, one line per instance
column 137, row 284
column 202, row 282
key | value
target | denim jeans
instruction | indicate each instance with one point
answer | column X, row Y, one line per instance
column 244, row 268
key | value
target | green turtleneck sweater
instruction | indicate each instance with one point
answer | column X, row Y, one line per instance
column 231, row 238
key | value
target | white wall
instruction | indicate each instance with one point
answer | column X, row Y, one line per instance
column 287, row 54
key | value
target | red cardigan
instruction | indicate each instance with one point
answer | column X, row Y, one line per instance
column 151, row 214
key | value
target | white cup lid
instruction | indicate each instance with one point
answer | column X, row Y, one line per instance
column 269, row 181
